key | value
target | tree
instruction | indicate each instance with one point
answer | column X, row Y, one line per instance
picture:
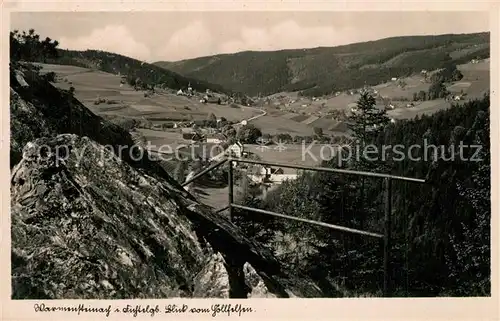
column 318, row 131
column 180, row 172
column 248, row 134
column 211, row 120
column 422, row 95
column 229, row 131
column 28, row 47
column 367, row 123
column 368, row 120
column 437, row 89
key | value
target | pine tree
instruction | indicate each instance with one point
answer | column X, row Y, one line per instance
column 367, row 121
column 180, row 172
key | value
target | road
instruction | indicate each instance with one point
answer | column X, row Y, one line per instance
column 221, row 155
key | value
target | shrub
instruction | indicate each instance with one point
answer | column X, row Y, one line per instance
column 50, row 76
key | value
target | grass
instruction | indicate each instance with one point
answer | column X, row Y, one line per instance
column 91, row 84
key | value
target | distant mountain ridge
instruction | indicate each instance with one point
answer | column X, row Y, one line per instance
column 324, row 70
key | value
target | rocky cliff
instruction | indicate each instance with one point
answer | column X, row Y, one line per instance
column 88, row 222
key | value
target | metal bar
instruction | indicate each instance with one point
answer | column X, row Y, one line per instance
column 230, row 192
column 387, row 238
column 221, row 210
column 331, row 170
column 335, row 227
column 203, row 172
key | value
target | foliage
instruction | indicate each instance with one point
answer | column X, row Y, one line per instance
column 211, row 120
column 27, row 46
column 441, row 241
column 179, row 173
column 367, row 121
column 318, row 131
column 248, row 134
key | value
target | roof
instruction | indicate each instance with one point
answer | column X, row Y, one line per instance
column 218, row 136
column 238, row 144
column 191, row 135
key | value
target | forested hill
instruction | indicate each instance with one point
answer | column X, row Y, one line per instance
column 441, row 228
column 133, row 69
column 29, row 46
column 325, row 70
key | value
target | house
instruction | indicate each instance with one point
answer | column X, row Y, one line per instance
column 264, row 174
column 192, row 137
column 208, row 98
column 280, row 178
column 264, row 141
column 180, row 92
column 216, row 138
column 394, row 79
column 236, row 150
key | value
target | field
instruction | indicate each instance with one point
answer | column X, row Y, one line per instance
column 126, row 102
column 217, row 197
column 304, row 114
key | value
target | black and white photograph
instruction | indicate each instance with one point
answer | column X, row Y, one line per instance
column 241, row 155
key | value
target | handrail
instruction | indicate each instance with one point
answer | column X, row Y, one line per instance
column 323, row 224
column 387, row 287
column 203, row 172
column 331, row 170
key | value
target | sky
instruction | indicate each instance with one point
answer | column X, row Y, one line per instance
column 172, row 36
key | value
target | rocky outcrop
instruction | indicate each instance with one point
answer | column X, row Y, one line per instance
column 89, row 223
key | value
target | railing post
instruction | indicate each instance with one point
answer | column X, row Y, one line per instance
column 387, row 238
column 230, row 186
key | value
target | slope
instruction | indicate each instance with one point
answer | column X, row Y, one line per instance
column 132, row 69
column 325, row 70
column 91, row 222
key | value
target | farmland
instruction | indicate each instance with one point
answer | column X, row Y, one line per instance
column 290, row 113
column 124, row 101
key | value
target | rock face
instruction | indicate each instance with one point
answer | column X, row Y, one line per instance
column 90, row 224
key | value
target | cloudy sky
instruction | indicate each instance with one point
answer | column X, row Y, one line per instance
column 174, row 36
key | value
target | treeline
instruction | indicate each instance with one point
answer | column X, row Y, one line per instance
column 320, row 71
column 146, row 75
column 448, row 74
column 441, row 229
column 29, row 47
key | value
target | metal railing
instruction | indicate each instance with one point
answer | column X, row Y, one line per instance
column 386, row 236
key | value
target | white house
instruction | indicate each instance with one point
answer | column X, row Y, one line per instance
column 236, row 150
column 265, row 174
column 280, row 178
column 216, row 139
column 394, row 78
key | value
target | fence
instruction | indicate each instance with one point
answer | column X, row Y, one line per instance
column 386, row 236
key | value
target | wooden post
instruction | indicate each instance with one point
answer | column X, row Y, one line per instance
column 387, row 239
column 230, row 186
